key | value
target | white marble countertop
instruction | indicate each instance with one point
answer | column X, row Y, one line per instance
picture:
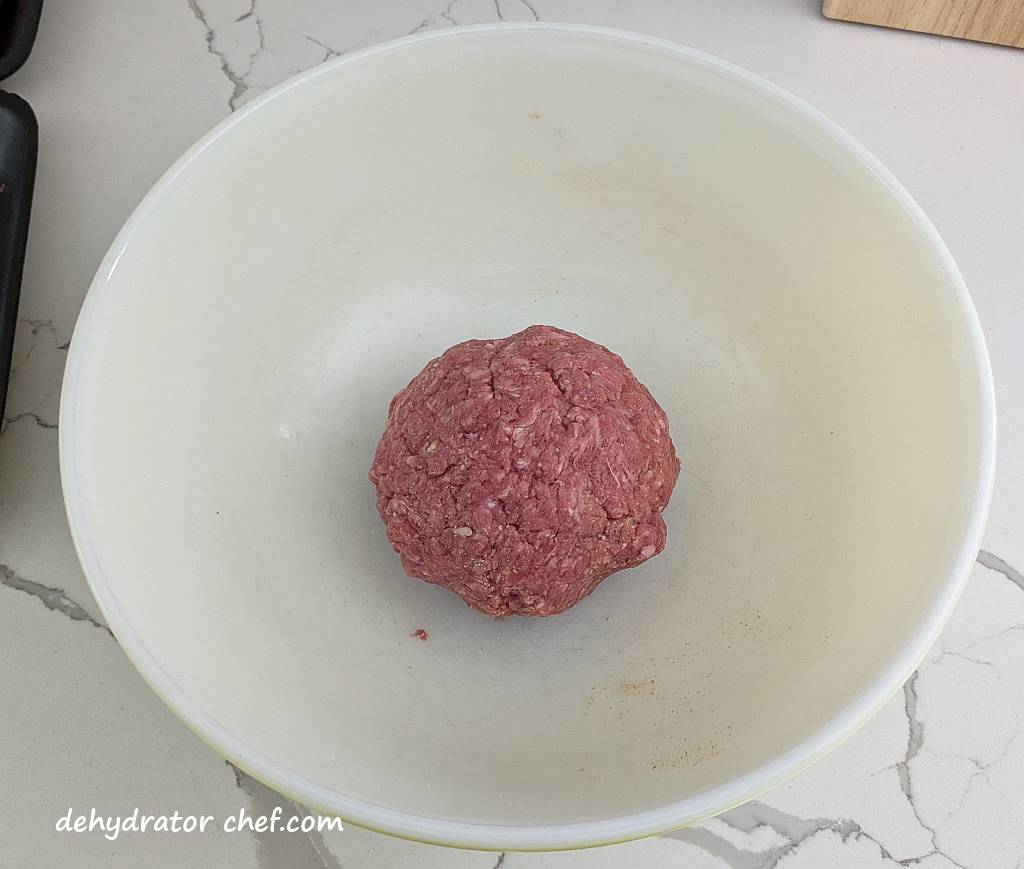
column 122, row 87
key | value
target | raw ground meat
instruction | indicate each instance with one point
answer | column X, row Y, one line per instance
column 520, row 472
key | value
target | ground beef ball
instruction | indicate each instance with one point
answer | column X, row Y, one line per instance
column 522, row 471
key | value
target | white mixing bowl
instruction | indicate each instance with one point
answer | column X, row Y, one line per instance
column 790, row 306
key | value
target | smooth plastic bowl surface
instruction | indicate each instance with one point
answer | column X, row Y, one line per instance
column 792, row 309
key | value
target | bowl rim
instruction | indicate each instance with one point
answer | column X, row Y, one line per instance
column 497, row 837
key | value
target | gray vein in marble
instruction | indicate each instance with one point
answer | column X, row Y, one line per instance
column 794, row 830
column 446, row 14
column 329, row 51
column 529, row 8
column 723, row 850
column 982, row 771
column 37, row 326
column 502, row 858
column 994, row 562
column 1012, row 629
column 32, row 335
column 35, row 417
column 52, row 598
column 294, row 850
column 915, row 738
column 237, row 80
column 261, row 42
column 949, row 653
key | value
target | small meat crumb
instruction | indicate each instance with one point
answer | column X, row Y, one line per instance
column 421, row 634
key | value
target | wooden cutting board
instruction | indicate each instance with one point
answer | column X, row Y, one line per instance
column 998, row 21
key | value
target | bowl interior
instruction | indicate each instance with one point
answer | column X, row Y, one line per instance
column 234, row 363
